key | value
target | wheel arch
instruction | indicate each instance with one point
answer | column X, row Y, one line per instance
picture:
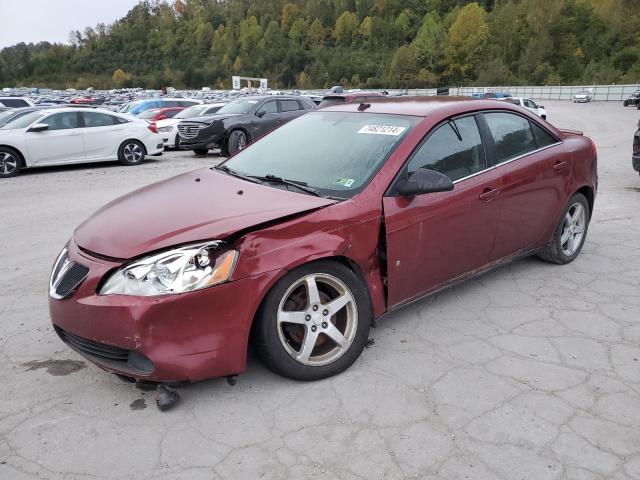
column 23, row 163
column 588, row 192
column 144, row 147
column 233, row 128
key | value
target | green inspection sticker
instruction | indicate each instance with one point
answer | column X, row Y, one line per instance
column 344, row 182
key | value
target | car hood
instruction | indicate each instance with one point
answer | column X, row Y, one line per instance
column 200, row 205
column 211, row 118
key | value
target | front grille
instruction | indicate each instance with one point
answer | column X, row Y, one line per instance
column 71, row 278
column 94, row 348
column 188, row 130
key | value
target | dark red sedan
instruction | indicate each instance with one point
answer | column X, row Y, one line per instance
column 299, row 242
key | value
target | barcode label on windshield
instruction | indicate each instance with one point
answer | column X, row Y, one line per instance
column 382, row 130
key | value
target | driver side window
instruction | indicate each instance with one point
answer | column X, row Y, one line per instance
column 269, row 107
column 62, row 121
column 456, row 156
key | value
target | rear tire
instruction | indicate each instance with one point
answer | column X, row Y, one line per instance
column 10, row 162
column 131, row 152
column 314, row 322
column 570, row 233
column 201, row 151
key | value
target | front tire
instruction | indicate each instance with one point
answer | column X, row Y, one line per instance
column 131, row 152
column 570, row 233
column 237, row 141
column 314, row 322
column 10, row 162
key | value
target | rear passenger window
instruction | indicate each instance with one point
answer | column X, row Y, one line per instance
column 445, row 152
column 512, row 135
column 305, row 105
column 95, row 119
column 289, row 105
column 543, row 138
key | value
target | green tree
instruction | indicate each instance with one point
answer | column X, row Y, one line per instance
column 466, row 42
column 346, row 26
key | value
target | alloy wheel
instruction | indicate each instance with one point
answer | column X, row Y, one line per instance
column 8, row 163
column 133, row 152
column 242, row 141
column 317, row 319
column 573, row 228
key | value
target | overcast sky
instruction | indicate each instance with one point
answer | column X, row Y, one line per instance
column 52, row 20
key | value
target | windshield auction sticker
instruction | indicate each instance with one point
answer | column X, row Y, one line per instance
column 382, row 130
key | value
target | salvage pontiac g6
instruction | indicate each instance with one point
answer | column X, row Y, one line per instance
column 301, row 240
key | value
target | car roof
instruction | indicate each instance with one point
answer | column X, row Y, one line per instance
column 423, row 106
column 266, row 97
column 49, row 110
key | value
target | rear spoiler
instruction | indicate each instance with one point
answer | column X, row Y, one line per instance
column 567, row 133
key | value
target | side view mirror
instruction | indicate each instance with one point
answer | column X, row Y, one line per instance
column 260, row 113
column 38, row 127
column 540, row 106
column 424, row 181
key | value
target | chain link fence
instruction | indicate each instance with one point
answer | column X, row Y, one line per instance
column 607, row 93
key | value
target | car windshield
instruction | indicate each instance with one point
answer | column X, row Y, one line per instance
column 356, row 146
column 191, row 111
column 22, row 121
column 584, row 93
column 242, row 105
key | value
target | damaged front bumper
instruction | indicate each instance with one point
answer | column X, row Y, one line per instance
column 172, row 338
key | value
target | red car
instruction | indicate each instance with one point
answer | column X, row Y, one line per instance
column 300, row 241
column 155, row 114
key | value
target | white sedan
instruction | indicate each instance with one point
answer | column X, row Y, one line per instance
column 65, row 136
column 529, row 105
column 168, row 128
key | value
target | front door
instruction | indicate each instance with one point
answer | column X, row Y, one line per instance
column 60, row 143
column 266, row 118
column 434, row 238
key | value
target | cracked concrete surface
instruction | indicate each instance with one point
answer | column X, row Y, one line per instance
column 530, row 372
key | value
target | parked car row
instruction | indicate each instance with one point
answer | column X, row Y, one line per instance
column 302, row 239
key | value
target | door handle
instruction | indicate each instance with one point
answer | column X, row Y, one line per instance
column 559, row 166
column 116, row 129
column 73, row 134
column 489, row 194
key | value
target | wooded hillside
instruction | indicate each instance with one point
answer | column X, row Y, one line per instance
column 359, row 43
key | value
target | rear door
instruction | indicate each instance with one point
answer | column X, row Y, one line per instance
column 102, row 135
column 290, row 109
column 61, row 143
column 534, row 173
column 435, row 238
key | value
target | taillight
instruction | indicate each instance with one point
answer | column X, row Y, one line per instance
column 152, row 127
column 636, row 145
column 594, row 151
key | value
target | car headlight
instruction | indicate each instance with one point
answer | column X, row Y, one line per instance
column 164, row 129
column 179, row 270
